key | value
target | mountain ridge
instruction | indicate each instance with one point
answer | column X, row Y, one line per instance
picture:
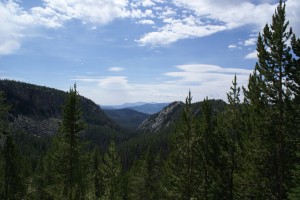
column 37, row 109
column 164, row 120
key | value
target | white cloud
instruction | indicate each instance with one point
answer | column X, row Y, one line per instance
column 14, row 22
column 203, row 80
column 232, row 46
column 167, row 12
column 178, row 29
column 148, row 3
column 216, row 16
column 146, row 21
column 138, row 13
column 234, row 13
column 94, row 11
column 17, row 23
column 293, row 15
column 113, row 82
column 115, row 69
column 7, row 47
column 250, row 42
column 252, row 55
column 181, row 19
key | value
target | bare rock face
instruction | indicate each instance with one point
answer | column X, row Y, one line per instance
column 37, row 127
column 163, row 119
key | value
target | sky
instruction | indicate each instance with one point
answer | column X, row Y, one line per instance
column 119, row 51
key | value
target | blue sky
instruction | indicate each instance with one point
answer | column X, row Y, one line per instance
column 121, row 51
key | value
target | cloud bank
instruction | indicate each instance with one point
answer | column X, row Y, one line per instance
column 173, row 19
column 203, row 80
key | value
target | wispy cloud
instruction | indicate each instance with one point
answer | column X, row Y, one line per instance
column 205, row 18
column 250, row 42
column 16, row 22
column 252, row 55
column 232, row 46
column 146, row 21
column 93, row 11
column 174, row 20
column 116, row 69
column 204, row 80
column 175, row 30
column 13, row 21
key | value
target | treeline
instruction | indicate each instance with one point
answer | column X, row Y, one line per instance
column 248, row 150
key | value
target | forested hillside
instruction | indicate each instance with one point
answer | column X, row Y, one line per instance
column 247, row 148
column 127, row 118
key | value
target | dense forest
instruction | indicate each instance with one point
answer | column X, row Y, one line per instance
column 244, row 149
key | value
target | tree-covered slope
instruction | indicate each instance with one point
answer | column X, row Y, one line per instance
column 127, row 118
column 37, row 109
column 165, row 119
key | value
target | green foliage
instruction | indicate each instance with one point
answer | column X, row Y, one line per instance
column 4, row 108
column 65, row 161
column 294, row 192
column 13, row 175
column 13, row 185
column 230, row 130
column 181, row 165
column 246, row 150
column 271, row 97
column 145, row 178
column 111, row 170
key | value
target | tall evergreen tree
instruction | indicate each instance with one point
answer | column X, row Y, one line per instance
column 111, row 170
column 65, row 170
column 12, row 184
column 4, row 108
column 270, row 92
column 208, row 151
column 230, row 128
column 294, row 191
column 145, row 178
column 181, row 165
column 97, row 176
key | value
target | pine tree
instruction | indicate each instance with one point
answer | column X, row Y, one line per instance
column 256, row 132
column 4, row 108
column 97, row 174
column 145, row 178
column 14, row 183
column 231, row 129
column 294, row 191
column 270, row 94
column 208, row 151
column 11, row 172
column 111, row 170
column 65, row 171
column 181, row 165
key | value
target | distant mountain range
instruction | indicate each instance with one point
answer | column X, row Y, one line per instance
column 143, row 107
column 36, row 110
column 121, row 106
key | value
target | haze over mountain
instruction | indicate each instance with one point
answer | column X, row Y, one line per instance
column 124, row 105
column 148, row 108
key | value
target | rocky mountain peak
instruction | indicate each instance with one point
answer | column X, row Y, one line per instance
column 161, row 119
